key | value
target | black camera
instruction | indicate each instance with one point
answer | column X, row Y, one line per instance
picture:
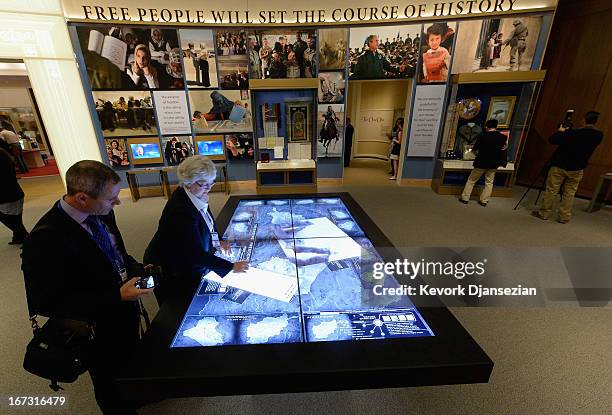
column 567, row 122
column 148, row 277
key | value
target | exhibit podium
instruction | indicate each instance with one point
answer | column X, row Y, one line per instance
column 287, row 176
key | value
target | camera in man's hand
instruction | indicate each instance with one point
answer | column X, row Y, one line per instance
column 567, row 123
column 149, row 276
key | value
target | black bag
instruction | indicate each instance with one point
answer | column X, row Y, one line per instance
column 60, row 350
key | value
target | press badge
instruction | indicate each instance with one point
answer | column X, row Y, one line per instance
column 123, row 274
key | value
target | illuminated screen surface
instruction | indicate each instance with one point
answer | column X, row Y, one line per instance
column 210, row 148
column 145, row 151
column 310, row 280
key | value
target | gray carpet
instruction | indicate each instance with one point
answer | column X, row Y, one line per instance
column 547, row 361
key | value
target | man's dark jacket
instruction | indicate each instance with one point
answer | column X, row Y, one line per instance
column 68, row 276
column 575, row 147
column 489, row 153
column 183, row 246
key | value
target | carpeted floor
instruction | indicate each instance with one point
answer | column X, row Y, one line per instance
column 547, row 361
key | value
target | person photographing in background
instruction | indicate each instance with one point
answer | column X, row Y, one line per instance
column 574, row 149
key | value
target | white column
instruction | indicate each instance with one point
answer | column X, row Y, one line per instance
column 35, row 31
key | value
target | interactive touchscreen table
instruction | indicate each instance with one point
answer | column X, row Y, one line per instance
column 304, row 317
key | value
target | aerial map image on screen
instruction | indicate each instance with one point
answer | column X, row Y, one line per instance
column 310, row 280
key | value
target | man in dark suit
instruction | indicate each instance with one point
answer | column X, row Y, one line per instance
column 491, row 154
column 184, row 244
column 74, row 264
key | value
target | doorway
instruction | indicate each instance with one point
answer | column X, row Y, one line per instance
column 374, row 107
column 19, row 115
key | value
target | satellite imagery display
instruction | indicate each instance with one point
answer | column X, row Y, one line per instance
column 310, row 280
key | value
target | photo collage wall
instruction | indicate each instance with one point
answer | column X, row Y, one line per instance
column 162, row 94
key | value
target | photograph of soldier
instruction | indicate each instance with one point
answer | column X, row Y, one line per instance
column 231, row 42
column 436, row 49
column 233, row 72
column 384, row 52
column 331, row 87
column 332, row 48
column 496, row 45
column 131, row 58
column 278, row 55
column 199, row 57
column 330, row 123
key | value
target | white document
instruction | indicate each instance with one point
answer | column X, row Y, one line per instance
column 278, row 152
column 293, row 151
column 305, row 151
column 269, row 284
column 262, row 142
column 108, row 47
column 172, row 112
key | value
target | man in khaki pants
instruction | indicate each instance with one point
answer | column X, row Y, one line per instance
column 568, row 162
column 491, row 154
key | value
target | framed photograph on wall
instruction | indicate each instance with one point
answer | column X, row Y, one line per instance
column 500, row 108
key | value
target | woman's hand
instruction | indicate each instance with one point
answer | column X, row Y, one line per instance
column 240, row 266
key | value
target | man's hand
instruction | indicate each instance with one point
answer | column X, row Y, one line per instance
column 129, row 291
column 240, row 266
column 562, row 129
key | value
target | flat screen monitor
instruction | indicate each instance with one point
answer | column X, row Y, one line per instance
column 310, row 280
column 212, row 146
column 145, row 150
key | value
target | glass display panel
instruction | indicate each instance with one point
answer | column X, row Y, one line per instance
column 310, row 280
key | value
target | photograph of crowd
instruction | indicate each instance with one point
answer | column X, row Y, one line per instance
column 330, row 124
column 231, row 42
column 177, row 149
column 117, row 152
column 332, row 48
column 279, row 55
column 436, row 51
column 234, row 72
column 331, row 87
column 386, row 52
column 239, row 146
column 496, row 45
column 131, row 58
column 199, row 57
column 125, row 113
column 221, row 111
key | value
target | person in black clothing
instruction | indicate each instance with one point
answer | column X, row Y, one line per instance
column 74, row 264
column 11, row 198
column 348, row 142
column 568, row 162
column 491, row 153
column 184, row 244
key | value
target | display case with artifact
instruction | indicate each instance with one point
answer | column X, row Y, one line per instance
column 506, row 98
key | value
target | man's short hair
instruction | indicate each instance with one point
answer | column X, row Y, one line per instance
column 369, row 39
column 591, row 117
column 89, row 177
column 492, row 123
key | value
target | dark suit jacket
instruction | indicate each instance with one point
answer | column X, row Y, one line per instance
column 10, row 191
column 183, row 246
column 489, row 150
column 68, row 276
